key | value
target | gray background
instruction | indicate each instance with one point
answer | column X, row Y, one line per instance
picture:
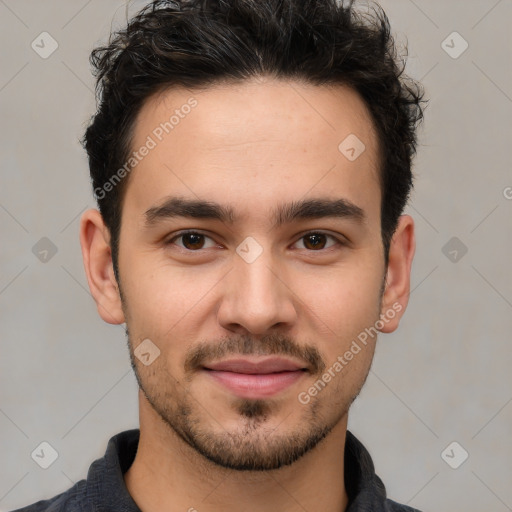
column 443, row 376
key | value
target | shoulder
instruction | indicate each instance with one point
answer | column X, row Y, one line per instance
column 71, row 500
column 393, row 506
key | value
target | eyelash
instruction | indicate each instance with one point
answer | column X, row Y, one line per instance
column 188, row 232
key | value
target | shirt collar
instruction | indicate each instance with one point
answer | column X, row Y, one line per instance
column 364, row 488
column 105, row 483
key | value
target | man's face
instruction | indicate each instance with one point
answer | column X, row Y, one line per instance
column 302, row 290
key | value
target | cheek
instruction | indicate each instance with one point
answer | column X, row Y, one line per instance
column 343, row 319
column 339, row 308
column 149, row 294
column 167, row 302
column 344, row 298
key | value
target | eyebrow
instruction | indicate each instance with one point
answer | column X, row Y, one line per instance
column 316, row 208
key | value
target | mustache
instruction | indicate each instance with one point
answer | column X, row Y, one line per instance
column 271, row 344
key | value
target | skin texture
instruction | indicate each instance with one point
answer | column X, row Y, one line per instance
column 251, row 146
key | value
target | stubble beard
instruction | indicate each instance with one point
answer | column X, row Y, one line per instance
column 254, row 445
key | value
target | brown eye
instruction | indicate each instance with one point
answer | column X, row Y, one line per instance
column 316, row 241
column 191, row 240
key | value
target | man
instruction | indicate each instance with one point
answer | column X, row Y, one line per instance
column 251, row 161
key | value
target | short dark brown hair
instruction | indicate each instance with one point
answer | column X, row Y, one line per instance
column 198, row 43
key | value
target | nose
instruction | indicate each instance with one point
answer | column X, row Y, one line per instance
column 257, row 298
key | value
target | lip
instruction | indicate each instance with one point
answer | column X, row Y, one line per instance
column 256, row 378
column 256, row 366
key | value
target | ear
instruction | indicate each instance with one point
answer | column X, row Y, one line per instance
column 398, row 275
column 97, row 257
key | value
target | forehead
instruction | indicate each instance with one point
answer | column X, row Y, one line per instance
column 255, row 141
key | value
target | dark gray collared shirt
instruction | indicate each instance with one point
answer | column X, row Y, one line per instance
column 104, row 489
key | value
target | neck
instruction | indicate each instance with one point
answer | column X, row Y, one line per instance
column 169, row 475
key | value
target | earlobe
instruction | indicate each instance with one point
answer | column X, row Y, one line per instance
column 398, row 276
column 96, row 253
